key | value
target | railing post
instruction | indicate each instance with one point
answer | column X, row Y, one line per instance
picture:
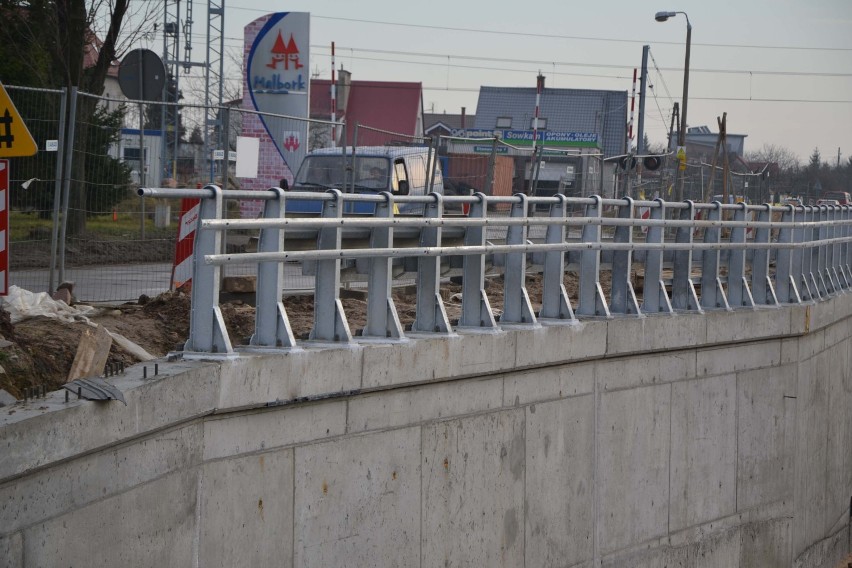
column 431, row 315
column 476, row 310
column 786, row 289
column 837, row 249
column 761, row 285
column 683, row 290
column 272, row 326
column 555, row 304
column 623, row 297
column 820, row 233
column 207, row 331
column 802, row 257
column 811, row 256
column 382, row 318
column 329, row 319
column 654, row 297
column 739, row 293
column 591, row 298
column 517, row 307
column 846, row 249
column 712, row 291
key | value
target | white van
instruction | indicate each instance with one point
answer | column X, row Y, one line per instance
column 400, row 170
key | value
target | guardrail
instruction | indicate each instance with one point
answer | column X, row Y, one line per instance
column 747, row 256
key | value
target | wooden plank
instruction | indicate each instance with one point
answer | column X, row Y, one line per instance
column 92, row 353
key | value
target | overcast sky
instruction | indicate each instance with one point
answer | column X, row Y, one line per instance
column 781, row 69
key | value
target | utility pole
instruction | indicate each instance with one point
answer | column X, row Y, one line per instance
column 643, row 81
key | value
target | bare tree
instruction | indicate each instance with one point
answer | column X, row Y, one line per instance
column 786, row 159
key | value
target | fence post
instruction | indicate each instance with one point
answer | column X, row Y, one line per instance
column 684, row 296
column 785, row 283
column 272, row 326
column 57, row 190
column 846, row 249
column 476, row 310
column 820, row 233
column 655, row 299
column 382, row 318
column 761, row 285
column 207, row 331
column 739, row 293
column 836, row 253
column 591, row 298
column 516, row 301
column 623, row 296
column 431, row 316
column 555, row 304
column 712, row 291
column 66, row 179
column 329, row 319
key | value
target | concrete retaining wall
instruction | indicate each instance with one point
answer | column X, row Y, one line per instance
column 716, row 440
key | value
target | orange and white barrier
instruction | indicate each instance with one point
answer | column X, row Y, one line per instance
column 182, row 268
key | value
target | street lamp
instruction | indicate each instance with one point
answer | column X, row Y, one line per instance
column 681, row 135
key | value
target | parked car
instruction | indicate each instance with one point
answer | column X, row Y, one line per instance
column 794, row 201
column 398, row 170
column 827, row 202
column 842, row 197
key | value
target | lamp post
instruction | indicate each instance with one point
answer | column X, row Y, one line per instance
column 681, row 135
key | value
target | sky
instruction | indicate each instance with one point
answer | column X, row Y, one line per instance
column 780, row 69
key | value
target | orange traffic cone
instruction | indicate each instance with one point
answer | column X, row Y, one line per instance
column 114, row 214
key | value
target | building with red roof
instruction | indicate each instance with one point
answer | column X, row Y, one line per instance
column 387, row 112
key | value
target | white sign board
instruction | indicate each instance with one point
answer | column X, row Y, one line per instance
column 248, row 152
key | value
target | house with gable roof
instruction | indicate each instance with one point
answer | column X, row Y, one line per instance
column 596, row 119
column 388, row 112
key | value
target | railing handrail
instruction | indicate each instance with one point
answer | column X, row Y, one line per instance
column 735, row 247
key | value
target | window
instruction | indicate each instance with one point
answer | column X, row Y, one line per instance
column 504, row 122
column 542, row 123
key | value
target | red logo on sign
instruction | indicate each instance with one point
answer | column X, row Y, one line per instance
column 285, row 53
column 291, row 143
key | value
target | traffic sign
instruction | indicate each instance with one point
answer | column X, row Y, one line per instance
column 4, row 227
column 15, row 139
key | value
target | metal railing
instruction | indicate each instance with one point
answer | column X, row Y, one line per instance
column 695, row 257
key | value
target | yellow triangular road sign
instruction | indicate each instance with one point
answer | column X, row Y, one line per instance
column 15, row 138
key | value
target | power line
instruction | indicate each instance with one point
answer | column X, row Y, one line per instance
column 556, row 36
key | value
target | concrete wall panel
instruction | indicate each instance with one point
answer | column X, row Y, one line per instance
column 253, row 380
column 357, row 501
column 11, row 551
column 271, row 428
column 473, row 491
column 839, row 422
column 57, row 491
column 429, row 358
column 633, row 433
column 429, row 402
column 726, row 360
column 560, row 482
column 559, row 343
column 704, row 451
column 152, row 525
column 811, row 459
column 766, row 430
column 645, row 370
column 655, row 333
column 151, row 404
column 246, row 511
column 548, row 383
column 745, row 325
column 766, row 544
